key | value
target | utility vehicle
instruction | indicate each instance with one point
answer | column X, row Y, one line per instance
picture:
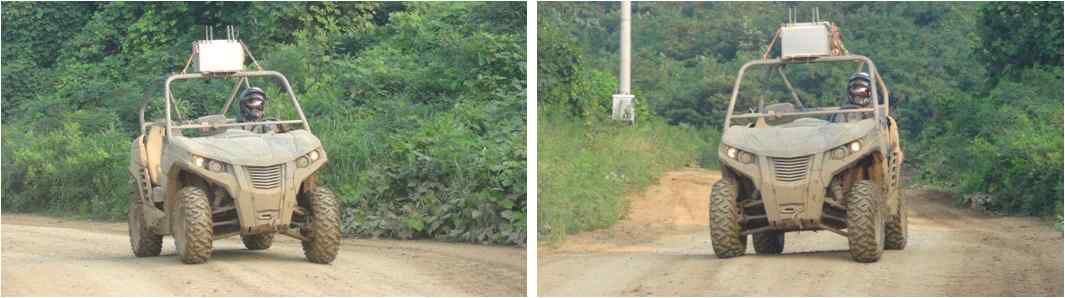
column 787, row 167
column 208, row 178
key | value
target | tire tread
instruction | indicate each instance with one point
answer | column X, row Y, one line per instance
column 725, row 235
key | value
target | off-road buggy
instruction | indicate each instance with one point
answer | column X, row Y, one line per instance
column 209, row 178
column 786, row 167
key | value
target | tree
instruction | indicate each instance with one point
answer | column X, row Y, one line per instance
column 1018, row 35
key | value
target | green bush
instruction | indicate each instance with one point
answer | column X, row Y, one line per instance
column 1009, row 142
column 71, row 167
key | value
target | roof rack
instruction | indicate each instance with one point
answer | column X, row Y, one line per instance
column 807, row 40
column 220, row 56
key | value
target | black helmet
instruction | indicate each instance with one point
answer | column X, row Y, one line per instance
column 860, row 76
column 859, row 89
column 252, row 104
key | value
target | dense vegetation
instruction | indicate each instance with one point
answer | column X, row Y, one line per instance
column 419, row 105
column 976, row 87
column 586, row 162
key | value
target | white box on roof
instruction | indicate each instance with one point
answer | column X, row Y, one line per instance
column 219, row 56
column 799, row 40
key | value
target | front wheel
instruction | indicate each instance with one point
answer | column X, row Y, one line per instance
column 322, row 229
column 193, row 228
column 725, row 233
column 865, row 222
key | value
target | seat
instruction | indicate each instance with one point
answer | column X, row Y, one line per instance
column 779, row 108
column 849, row 117
column 783, row 107
column 142, row 156
column 154, row 151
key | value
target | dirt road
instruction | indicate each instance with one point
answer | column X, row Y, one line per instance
column 662, row 248
column 54, row 257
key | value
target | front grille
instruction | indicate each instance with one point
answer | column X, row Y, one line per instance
column 268, row 177
column 791, row 169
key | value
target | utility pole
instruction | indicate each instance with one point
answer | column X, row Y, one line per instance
column 626, row 47
column 624, row 102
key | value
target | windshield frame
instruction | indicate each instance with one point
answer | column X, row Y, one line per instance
column 878, row 112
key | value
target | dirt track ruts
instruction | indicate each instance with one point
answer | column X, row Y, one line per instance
column 45, row 256
column 662, row 248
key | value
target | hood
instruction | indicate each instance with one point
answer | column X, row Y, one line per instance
column 240, row 147
column 798, row 139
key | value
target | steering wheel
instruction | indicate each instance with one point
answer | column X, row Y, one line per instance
column 842, row 117
column 211, row 120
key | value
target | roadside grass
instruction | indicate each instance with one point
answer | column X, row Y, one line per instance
column 586, row 167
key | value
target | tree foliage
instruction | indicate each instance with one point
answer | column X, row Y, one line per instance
column 1015, row 36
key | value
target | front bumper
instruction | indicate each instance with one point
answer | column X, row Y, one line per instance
column 793, row 188
column 264, row 196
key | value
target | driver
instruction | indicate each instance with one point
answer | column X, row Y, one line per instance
column 859, row 95
column 860, row 90
column 253, row 109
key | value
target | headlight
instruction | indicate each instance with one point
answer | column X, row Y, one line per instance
column 739, row 155
column 746, row 157
column 846, row 150
column 839, row 153
column 216, row 166
column 210, row 164
column 307, row 159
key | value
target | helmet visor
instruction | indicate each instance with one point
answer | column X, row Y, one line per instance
column 860, row 90
column 254, row 102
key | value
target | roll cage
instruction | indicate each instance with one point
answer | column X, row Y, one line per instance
column 878, row 111
column 242, row 78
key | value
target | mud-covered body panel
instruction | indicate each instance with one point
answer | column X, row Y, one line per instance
column 238, row 146
column 799, row 140
column 794, row 200
column 259, row 209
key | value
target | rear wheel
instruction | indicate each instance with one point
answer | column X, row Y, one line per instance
column 865, row 222
column 257, row 242
column 897, row 226
column 322, row 229
column 192, row 232
column 771, row 242
column 142, row 240
column 725, row 233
